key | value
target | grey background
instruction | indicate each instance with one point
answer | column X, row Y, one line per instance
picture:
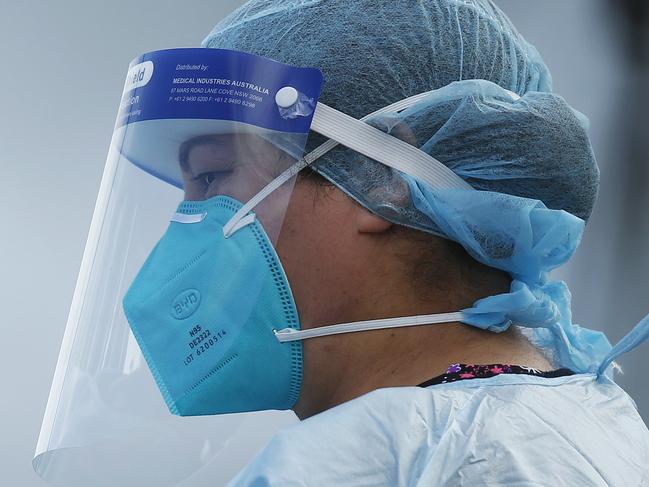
column 62, row 66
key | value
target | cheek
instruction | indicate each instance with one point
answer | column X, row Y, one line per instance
column 311, row 246
column 302, row 235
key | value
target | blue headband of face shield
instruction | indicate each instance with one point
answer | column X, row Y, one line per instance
column 212, row 303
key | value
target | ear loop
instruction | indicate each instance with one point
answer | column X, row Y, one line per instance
column 290, row 334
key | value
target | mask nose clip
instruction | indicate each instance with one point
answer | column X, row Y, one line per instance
column 188, row 218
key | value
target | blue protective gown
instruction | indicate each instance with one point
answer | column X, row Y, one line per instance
column 513, row 430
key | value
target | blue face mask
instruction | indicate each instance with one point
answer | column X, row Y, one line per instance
column 203, row 309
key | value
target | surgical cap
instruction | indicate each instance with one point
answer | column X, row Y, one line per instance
column 491, row 117
column 375, row 53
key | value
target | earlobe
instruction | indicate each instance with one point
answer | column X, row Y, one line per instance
column 367, row 222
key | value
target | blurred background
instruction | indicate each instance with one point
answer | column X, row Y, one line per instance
column 62, row 67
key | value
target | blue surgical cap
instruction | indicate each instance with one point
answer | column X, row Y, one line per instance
column 491, row 117
column 374, row 53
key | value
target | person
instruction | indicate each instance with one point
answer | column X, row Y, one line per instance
column 513, row 393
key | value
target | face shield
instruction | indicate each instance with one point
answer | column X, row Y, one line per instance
column 199, row 132
column 181, row 328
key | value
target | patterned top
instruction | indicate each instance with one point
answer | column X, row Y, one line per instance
column 457, row 372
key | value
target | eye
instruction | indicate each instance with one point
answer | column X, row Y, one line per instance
column 208, row 178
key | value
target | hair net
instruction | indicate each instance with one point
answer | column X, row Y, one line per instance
column 492, row 119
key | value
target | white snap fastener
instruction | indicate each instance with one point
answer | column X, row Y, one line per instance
column 286, row 97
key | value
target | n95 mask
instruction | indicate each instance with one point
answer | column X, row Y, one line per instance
column 203, row 309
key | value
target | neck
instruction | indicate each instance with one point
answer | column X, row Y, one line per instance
column 357, row 363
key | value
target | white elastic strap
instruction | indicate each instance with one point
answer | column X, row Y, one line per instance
column 384, row 148
column 367, row 140
column 394, row 107
column 289, row 334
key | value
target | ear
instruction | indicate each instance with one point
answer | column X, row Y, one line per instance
column 367, row 222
